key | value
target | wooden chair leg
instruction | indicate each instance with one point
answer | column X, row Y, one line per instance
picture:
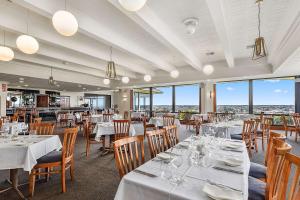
column 87, row 150
column 47, row 175
column 263, row 143
column 72, row 170
column 63, row 179
column 31, row 183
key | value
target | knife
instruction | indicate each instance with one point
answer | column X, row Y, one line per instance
column 228, row 170
column 144, row 173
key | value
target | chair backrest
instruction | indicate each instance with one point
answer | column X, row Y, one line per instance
column 284, row 121
column 126, row 114
column 121, row 128
column 70, row 135
column 129, row 153
column 280, row 148
column 42, row 128
column 168, row 120
column 171, row 136
column 283, row 190
column 156, row 141
column 88, row 128
column 247, row 130
column 296, row 118
column 270, row 145
column 147, row 126
column 37, row 120
column 107, row 117
column 211, row 116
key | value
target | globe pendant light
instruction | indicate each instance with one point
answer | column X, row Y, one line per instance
column 147, row 78
column 106, row 81
column 125, row 79
column 132, row 5
column 174, row 73
column 26, row 43
column 65, row 23
column 6, row 54
column 208, row 69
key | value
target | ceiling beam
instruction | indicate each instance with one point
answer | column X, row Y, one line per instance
column 151, row 23
column 93, row 28
column 222, row 25
column 286, row 39
column 13, row 18
column 71, row 57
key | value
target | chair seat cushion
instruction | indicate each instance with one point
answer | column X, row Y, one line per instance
column 259, row 132
column 93, row 135
column 256, row 189
column 257, row 170
column 236, row 136
column 53, row 156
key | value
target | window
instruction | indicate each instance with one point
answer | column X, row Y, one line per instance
column 162, row 99
column 142, row 99
column 97, row 102
column 187, row 98
column 233, row 97
column 273, row 96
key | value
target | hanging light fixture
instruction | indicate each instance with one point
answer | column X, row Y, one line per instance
column 208, row 69
column 259, row 50
column 106, row 81
column 26, row 43
column 51, row 79
column 110, row 70
column 65, row 22
column 125, row 79
column 174, row 73
column 6, row 53
column 132, row 5
column 147, row 78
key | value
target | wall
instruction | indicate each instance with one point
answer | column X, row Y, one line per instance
column 3, row 99
column 207, row 97
column 122, row 99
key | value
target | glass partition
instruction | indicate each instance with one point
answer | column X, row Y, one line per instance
column 162, row 99
column 187, row 98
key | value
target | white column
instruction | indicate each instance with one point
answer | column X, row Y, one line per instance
column 207, row 97
column 124, row 100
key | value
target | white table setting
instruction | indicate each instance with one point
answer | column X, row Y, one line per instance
column 158, row 121
column 197, row 168
column 223, row 128
column 198, row 116
column 22, row 151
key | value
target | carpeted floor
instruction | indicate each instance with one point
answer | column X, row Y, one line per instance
column 96, row 177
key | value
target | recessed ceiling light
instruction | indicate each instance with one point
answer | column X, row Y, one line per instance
column 147, row 78
column 79, row 86
column 84, row 88
column 18, row 86
column 174, row 73
column 21, row 78
column 26, row 85
column 21, row 81
column 106, row 81
column 57, row 85
column 208, row 69
column 125, row 79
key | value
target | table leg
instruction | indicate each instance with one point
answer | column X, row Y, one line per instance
column 14, row 182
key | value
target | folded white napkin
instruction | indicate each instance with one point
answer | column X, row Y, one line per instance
column 233, row 145
column 218, row 193
column 165, row 156
column 232, row 161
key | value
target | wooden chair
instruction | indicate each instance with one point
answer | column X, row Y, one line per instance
column 297, row 126
column 42, row 128
column 14, row 118
column 37, row 120
column 147, row 126
column 126, row 115
column 121, row 128
column 129, row 154
column 168, row 120
column 287, row 128
column 246, row 135
column 90, row 137
column 171, row 136
column 156, row 141
column 21, row 114
column 270, row 146
column 264, row 133
column 211, row 117
column 107, row 117
column 63, row 119
column 254, row 134
column 258, row 189
column 33, row 114
column 283, row 190
column 63, row 159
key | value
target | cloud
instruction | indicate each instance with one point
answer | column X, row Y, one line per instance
column 285, row 91
column 229, row 88
column 278, row 91
column 272, row 80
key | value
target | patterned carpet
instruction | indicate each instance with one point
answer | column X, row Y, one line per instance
column 96, row 177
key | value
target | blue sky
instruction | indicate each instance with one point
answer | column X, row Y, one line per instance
column 265, row 92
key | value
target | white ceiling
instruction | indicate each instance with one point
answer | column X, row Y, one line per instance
column 151, row 41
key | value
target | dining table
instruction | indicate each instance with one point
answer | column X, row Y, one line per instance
column 22, row 151
column 197, row 180
column 223, row 129
column 198, row 116
column 158, row 121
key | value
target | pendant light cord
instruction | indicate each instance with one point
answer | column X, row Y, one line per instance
column 27, row 21
column 110, row 53
column 3, row 37
column 258, row 19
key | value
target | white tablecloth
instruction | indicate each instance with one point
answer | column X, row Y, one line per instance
column 137, row 114
column 158, row 121
column 107, row 128
column 97, row 118
column 134, row 186
column 197, row 116
column 244, row 116
column 229, row 128
column 23, row 151
column 18, row 126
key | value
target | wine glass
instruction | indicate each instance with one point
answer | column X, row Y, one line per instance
column 176, row 164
